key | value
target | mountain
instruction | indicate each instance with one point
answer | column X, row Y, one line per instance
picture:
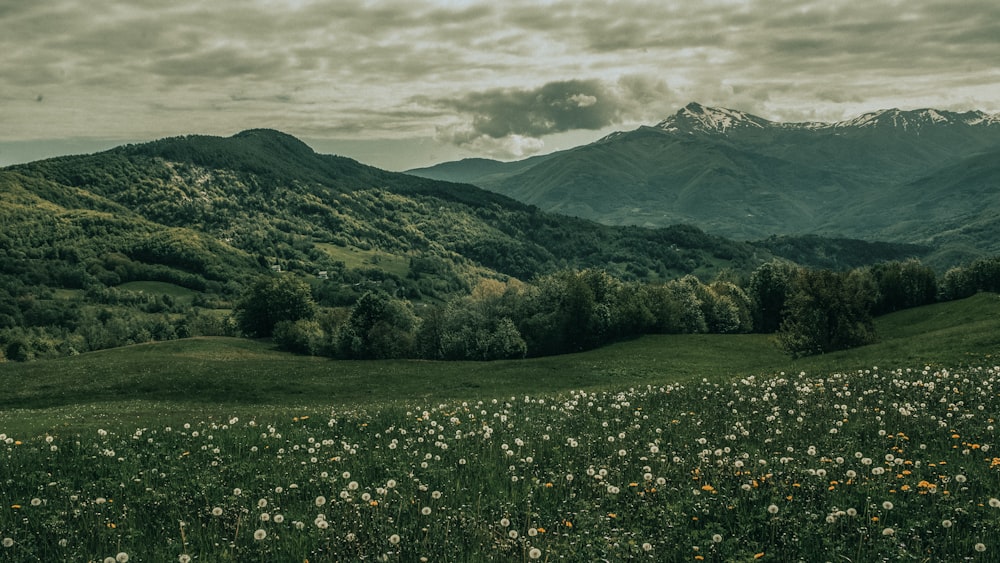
column 742, row 176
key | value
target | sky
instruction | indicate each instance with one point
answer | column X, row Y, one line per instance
column 401, row 84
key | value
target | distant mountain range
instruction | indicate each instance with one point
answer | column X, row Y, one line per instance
column 922, row 176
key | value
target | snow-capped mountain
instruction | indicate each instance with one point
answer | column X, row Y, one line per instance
column 903, row 175
column 914, row 120
column 695, row 117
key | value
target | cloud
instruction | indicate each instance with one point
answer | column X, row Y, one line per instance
column 505, row 119
column 483, row 75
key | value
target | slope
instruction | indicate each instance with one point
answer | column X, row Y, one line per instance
column 742, row 176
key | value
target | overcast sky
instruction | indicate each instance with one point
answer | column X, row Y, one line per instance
column 406, row 83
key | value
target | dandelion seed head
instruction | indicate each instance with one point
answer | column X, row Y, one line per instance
column 259, row 534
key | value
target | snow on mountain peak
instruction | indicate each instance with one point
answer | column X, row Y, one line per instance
column 695, row 117
column 917, row 119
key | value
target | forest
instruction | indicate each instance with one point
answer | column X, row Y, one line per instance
column 256, row 235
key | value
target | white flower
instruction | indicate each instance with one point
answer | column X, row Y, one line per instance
column 887, row 505
column 995, row 503
column 278, row 518
column 122, row 557
column 649, row 547
column 216, row 511
column 320, row 500
column 8, row 542
column 773, row 509
column 888, row 532
column 980, row 547
column 259, row 534
column 184, row 558
column 394, row 539
column 535, row 553
column 425, row 510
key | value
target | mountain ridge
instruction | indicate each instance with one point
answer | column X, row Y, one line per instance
column 745, row 177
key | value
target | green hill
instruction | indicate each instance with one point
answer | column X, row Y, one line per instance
column 207, row 375
column 210, row 215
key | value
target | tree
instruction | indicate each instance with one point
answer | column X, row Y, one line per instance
column 379, row 327
column 273, row 299
column 304, row 336
column 827, row 311
column 768, row 290
column 902, row 285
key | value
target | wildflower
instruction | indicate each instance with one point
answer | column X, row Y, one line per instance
column 647, row 547
column 532, row 532
column 717, row 538
column 278, row 518
column 946, row 523
column 995, row 503
column 394, row 539
column 122, row 557
column 980, row 547
column 320, row 500
column 184, row 558
column 259, row 534
column 36, row 502
column 773, row 509
column 888, row 532
column 8, row 542
column 504, row 522
column 426, row 511
column 535, row 553
column 887, row 505
column 216, row 511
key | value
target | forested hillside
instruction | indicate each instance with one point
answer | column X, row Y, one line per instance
column 157, row 240
column 257, row 235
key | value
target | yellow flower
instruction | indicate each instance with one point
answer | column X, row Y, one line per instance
column 758, row 555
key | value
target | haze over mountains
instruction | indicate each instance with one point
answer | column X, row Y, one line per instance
column 921, row 176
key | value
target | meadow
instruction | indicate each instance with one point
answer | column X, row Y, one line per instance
column 698, row 448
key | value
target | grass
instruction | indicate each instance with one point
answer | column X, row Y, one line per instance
column 158, row 288
column 227, row 373
column 357, row 258
column 664, row 448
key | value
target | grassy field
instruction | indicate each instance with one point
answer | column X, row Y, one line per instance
column 665, row 448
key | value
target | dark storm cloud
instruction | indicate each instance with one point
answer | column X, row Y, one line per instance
column 551, row 108
column 554, row 107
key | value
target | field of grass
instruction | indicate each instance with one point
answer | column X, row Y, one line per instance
column 158, row 288
column 357, row 258
column 670, row 448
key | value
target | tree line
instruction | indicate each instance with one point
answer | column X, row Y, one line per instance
column 811, row 311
